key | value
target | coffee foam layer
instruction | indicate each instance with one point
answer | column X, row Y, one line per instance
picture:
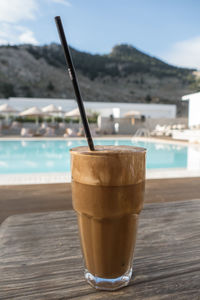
column 107, row 150
column 108, row 165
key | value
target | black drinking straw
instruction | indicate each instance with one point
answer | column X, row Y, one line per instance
column 74, row 80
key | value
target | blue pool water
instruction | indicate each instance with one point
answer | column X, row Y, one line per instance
column 44, row 156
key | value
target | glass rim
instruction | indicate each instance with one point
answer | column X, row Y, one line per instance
column 131, row 150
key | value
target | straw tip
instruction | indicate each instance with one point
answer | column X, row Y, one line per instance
column 57, row 18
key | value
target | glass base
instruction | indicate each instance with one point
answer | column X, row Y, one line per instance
column 108, row 284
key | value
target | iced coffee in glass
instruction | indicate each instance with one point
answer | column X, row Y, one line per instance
column 107, row 194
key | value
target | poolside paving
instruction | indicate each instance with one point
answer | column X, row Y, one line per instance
column 19, row 199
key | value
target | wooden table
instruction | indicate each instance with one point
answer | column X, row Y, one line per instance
column 40, row 256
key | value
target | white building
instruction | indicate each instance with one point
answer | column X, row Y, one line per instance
column 104, row 108
column 193, row 109
column 119, row 109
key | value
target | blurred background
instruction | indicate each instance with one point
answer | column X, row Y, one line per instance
column 138, row 69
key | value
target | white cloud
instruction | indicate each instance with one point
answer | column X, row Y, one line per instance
column 185, row 53
column 3, row 42
column 27, row 37
column 11, row 13
column 16, row 10
column 64, row 2
column 14, row 34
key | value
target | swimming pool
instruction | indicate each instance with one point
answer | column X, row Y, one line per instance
column 52, row 156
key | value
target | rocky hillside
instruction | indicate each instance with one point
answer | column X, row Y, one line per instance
column 124, row 75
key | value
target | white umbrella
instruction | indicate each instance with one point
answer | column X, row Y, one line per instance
column 7, row 110
column 51, row 109
column 132, row 114
column 33, row 112
column 76, row 114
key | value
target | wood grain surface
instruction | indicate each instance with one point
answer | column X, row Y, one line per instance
column 40, row 256
column 20, row 199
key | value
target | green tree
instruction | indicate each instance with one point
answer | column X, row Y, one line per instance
column 50, row 86
column 7, row 90
column 148, row 98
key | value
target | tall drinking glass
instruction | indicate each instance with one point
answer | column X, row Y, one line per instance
column 107, row 194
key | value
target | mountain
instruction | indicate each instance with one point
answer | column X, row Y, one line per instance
column 124, row 75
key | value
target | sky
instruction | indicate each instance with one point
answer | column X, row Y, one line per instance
column 167, row 29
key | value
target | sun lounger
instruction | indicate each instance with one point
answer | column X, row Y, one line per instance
column 43, row 125
column 26, row 132
column 49, row 132
column 164, row 130
column 62, row 125
column 80, row 132
column 142, row 132
column 69, row 133
column 158, row 131
column 15, row 125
